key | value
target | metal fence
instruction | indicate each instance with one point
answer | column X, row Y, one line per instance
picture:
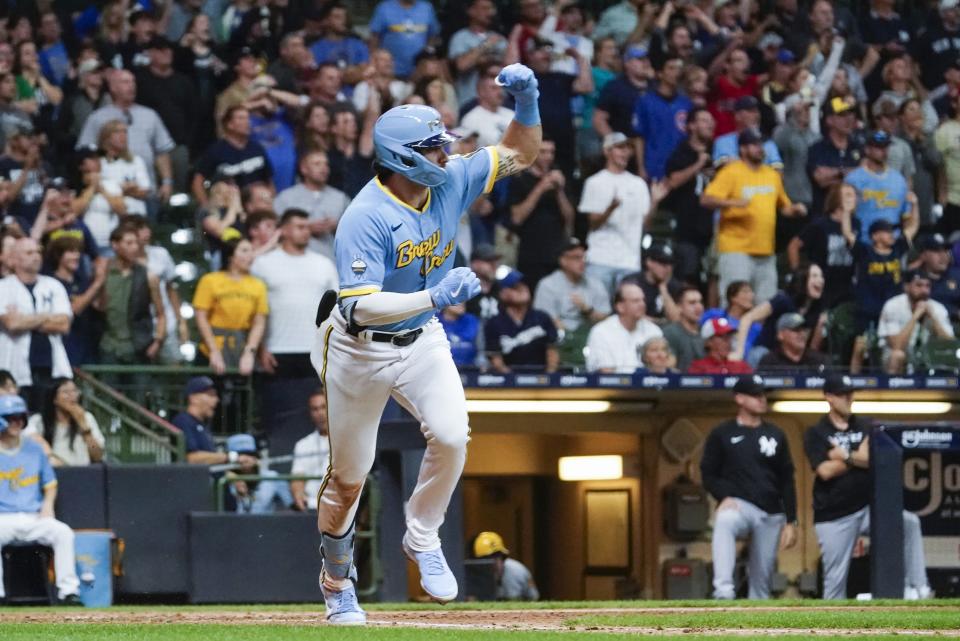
column 159, row 389
column 133, row 434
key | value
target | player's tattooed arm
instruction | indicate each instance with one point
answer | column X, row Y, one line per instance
column 518, row 149
column 508, row 163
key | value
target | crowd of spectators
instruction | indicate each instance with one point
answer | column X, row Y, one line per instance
column 722, row 186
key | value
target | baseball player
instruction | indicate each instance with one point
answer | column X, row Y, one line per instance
column 838, row 448
column 28, row 489
column 394, row 250
column 746, row 466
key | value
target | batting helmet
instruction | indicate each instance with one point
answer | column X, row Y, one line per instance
column 399, row 136
column 488, row 543
column 11, row 405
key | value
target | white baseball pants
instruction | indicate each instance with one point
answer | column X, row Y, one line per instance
column 22, row 527
column 359, row 378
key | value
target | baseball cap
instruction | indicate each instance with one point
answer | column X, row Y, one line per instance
column 791, row 320
column 751, row 385
column 786, row 57
column 879, row 225
column 244, row 52
column 484, row 251
column 915, row 274
column 934, row 242
column 512, row 279
column 572, row 243
column 635, row 51
column 139, row 14
column 660, row 253
column 427, row 53
column 884, row 107
column 242, row 444
column 768, row 40
column 746, row 103
column 879, row 139
column 89, row 66
column 12, row 405
column 716, row 327
column 159, row 42
column 838, row 384
column 198, row 385
column 614, row 138
column 837, row 106
column 750, row 136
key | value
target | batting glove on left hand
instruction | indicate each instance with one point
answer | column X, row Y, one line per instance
column 518, row 80
column 458, row 286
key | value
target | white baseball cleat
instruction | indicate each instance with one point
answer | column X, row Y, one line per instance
column 436, row 578
column 343, row 607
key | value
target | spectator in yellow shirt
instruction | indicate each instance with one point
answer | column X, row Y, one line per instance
column 231, row 307
column 748, row 194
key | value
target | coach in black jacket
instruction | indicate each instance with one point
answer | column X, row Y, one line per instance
column 746, row 466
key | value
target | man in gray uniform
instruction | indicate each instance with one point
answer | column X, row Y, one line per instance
column 746, row 467
column 838, row 448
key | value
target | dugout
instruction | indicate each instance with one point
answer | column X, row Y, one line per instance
column 559, row 529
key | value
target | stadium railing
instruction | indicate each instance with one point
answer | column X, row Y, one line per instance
column 133, row 433
column 159, row 389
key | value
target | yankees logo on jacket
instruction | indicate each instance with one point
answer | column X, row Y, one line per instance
column 750, row 463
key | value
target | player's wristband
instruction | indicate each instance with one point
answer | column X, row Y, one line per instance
column 528, row 111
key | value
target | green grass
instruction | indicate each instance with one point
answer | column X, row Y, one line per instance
column 799, row 619
column 91, row 632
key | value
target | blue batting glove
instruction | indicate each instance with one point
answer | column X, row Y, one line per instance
column 458, row 286
column 518, row 81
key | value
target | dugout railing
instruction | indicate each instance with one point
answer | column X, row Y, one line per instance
column 159, row 389
column 133, row 433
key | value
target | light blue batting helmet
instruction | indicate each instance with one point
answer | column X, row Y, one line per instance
column 399, row 135
column 10, row 404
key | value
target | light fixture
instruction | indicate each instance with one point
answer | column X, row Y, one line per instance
column 483, row 406
column 183, row 236
column 590, row 468
column 186, row 271
column 865, row 407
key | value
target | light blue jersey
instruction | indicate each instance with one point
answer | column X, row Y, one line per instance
column 24, row 473
column 879, row 196
column 726, row 149
column 383, row 244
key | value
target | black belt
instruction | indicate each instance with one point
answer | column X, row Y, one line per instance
column 400, row 340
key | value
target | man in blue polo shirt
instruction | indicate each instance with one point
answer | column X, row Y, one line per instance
column 404, row 28
column 660, row 119
column 194, row 422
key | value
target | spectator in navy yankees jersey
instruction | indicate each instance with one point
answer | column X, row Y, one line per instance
column 747, row 468
column 520, row 337
column 235, row 157
column 836, row 154
column 838, row 450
